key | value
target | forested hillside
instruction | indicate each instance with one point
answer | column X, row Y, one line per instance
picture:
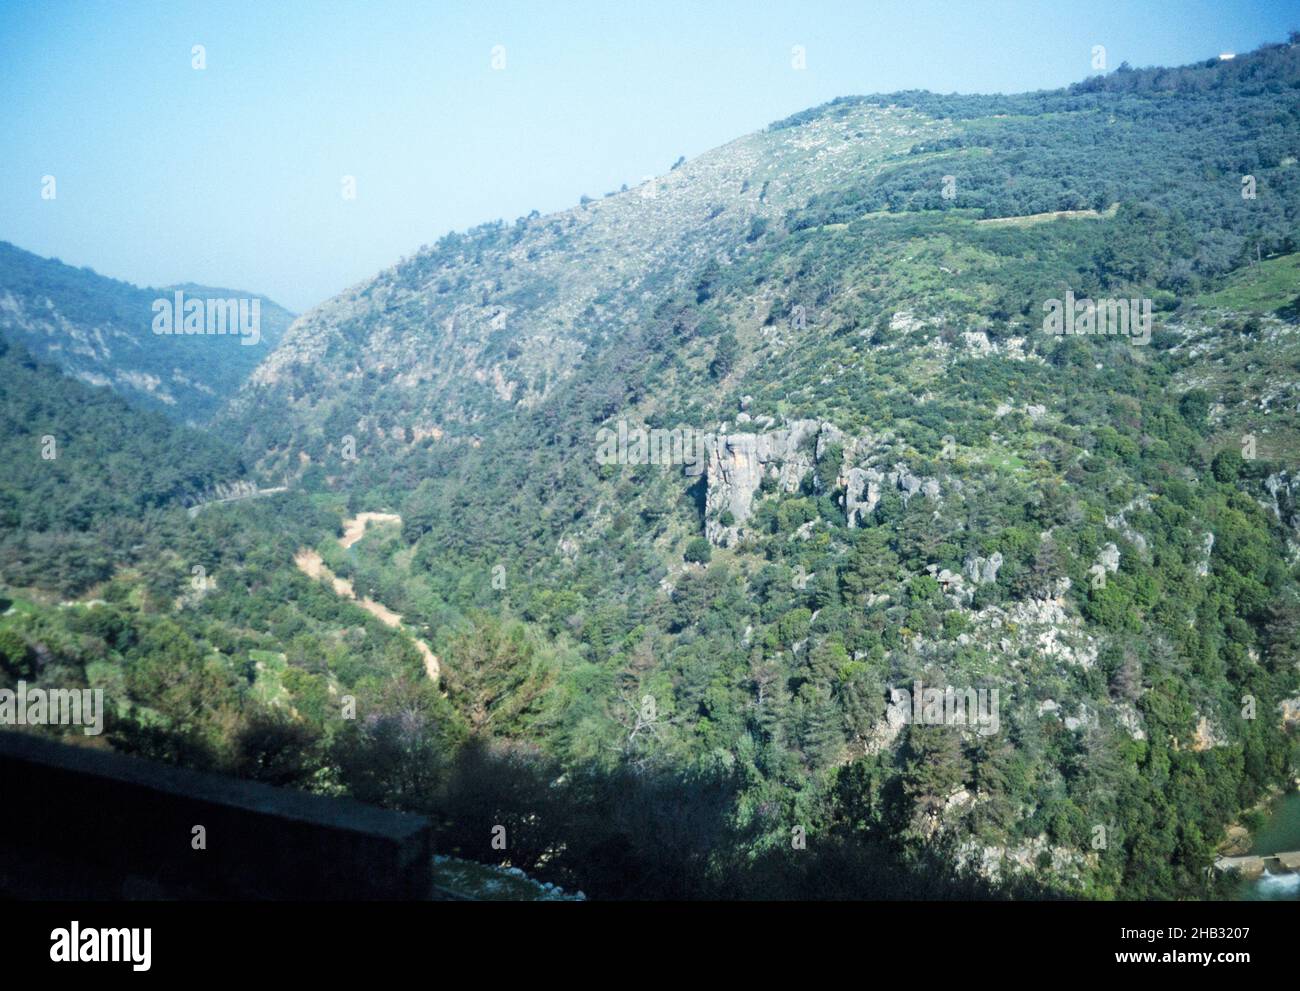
column 86, row 475
column 100, row 330
column 675, row 680
column 212, row 649
column 872, row 275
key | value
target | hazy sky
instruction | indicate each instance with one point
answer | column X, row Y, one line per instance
column 231, row 175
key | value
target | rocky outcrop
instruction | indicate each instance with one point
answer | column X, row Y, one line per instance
column 737, row 463
column 1207, row 546
column 863, row 488
column 794, row 452
column 1108, row 558
column 951, row 584
column 861, row 493
column 1083, row 720
column 1120, row 522
column 1130, row 721
column 732, row 474
column 1208, row 735
column 1284, row 492
column 983, row 570
column 1107, row 563
column 1290, row 710
column 884, row 735
column 1042, row 625
column 995, row 862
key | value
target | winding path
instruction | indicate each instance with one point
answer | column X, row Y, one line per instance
column 313, row 566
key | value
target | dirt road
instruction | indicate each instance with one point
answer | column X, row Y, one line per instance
column 313, row 566
column 355, row 528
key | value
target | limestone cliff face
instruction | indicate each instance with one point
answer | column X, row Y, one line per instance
column 983, row 570
column 738, row 463
column 1284, row 489
column 863, row 488
column 733, row 475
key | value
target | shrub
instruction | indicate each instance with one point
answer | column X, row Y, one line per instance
column 698, row 551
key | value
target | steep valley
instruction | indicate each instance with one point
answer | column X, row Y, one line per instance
column 641, row 529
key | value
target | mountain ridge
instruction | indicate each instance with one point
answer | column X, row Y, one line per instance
column 99, row 330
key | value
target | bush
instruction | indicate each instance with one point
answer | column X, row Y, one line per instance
column 15, row 657
column 1226, row 466
column 698, row 551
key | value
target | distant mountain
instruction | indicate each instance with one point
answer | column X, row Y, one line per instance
column 86, row 475
column 101, row 331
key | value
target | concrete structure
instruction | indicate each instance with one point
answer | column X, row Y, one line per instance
column 82, row 823
column 1254, row 866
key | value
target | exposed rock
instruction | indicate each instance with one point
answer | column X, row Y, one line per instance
column 1208, row 735
column 1108, row 558
column 737, row 463
column 735, row 466
column 1236, row 842
column 828, row 436
column 1130, row 720
column 861, row 493
column 885, row 733
column 983, row 570
column 1120, row 521
column 1290, row 710
column 1083, row 720
column 1284, row 489
column 993, row 862
column 904, row 322
column 1203, row 565
column 733, row 474
column 958, row 799
column 794, row 450
column 1042, row 624
column 864, row 486
column 952, row 585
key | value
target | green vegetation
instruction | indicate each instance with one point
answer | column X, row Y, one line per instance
column 88, row 481
column 1071, row 521
column 1272, row 286
column 100, row 330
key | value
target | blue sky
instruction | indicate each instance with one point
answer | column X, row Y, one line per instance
column 231, row 175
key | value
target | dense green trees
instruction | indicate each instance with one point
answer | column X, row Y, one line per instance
column 87, row 478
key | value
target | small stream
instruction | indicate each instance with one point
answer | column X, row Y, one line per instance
column 1280, row 833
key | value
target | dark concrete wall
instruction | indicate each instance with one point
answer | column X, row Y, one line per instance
column 82, row 823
